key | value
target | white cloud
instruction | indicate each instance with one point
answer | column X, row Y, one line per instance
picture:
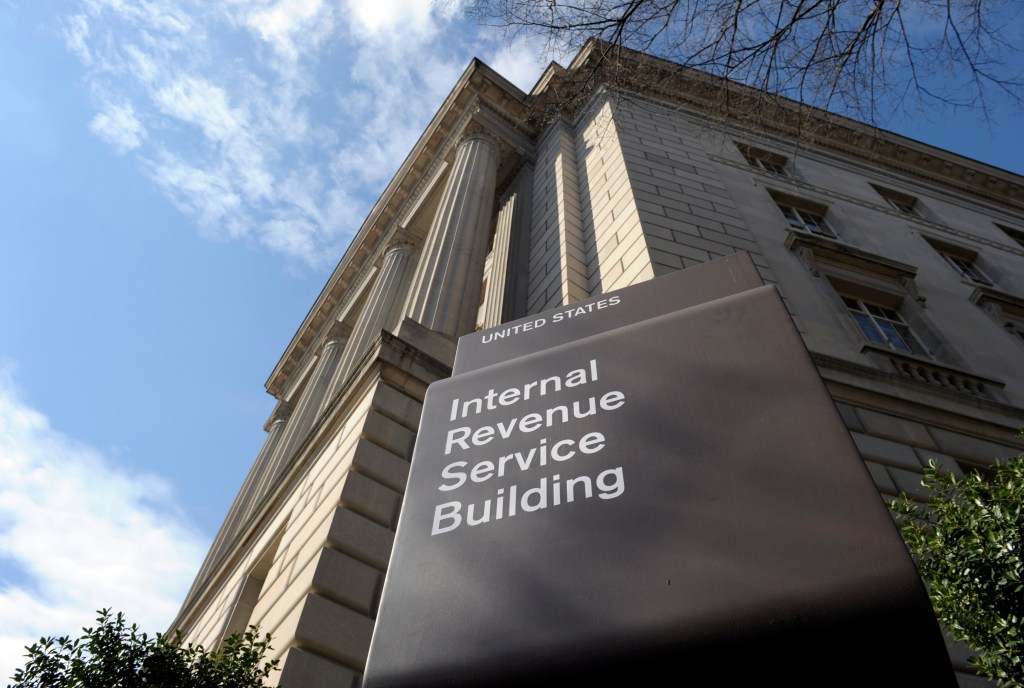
column 380, row 16
column 141, row 65
column 522, row 61
column 207, row 194
column 76, row 36
column 82, row 534
column 202, row 103
column 274, row 121
column 118, row 126
column 310, row 20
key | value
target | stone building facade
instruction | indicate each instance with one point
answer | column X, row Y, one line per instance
column 901, row 264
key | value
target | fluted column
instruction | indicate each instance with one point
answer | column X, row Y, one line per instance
column 250, row 493
column 261, row 467
column 307, row 408
column 509, row 271
column 446, row 287
column 382, row 309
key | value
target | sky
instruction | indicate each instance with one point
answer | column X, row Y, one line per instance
column 177, row 180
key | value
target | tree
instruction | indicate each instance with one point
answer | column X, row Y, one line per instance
column 862, row 58
column 114, row 654
column 967, row 544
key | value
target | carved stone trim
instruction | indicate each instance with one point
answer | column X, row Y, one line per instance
column 281, row 413
column 813, row 249
column 912, row 219
column 936, row 374
column 398, row 244
column 998, row 302
column 338, row 331
column 474, row 131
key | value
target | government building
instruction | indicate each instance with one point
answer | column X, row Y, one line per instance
column 902, row 266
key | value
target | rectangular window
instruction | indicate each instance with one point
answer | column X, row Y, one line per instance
column 1015, row 328
column 900, row 202
column 1015, row 234
column 763, row 160
column 966, row 267
column 806, row 220
column 883, row 325
column 963, row 260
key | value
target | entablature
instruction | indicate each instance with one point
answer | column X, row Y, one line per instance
column 481, row 98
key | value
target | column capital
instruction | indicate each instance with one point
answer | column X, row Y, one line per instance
column 338, row 331
column 399, row 244
column 475, row 131
column 281, row 413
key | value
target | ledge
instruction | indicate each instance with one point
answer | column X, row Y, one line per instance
column 935, row 374
column 997, row 302
column 813, row 248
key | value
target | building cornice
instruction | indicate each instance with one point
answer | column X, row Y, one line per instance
column 645, row 77
column 479, row 90
column 488, row 99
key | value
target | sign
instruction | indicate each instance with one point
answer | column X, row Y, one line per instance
column 667, row 294
column 673, row 494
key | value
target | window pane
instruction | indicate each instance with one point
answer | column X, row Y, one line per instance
column 868, row 328
column 882, row 325
column 896, row 340
column 910, row 340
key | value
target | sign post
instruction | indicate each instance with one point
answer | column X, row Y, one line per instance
column 650, row 487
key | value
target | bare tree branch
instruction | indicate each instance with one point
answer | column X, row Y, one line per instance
column 861, row 58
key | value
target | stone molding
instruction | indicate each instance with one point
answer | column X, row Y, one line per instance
column 814, row 250
column 838, row 195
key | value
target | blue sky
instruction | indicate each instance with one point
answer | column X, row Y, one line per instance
column 177, row 180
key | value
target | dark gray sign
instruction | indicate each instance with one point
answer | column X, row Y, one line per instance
column 672, row 292
column 674, row 497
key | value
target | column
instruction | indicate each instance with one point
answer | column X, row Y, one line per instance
column 382, row 309
column 510, row 257
column 251, row 492
column 446, row 287
column 262, row 465
column 307, row 408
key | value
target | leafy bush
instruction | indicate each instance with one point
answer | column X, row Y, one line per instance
column 114, row 654
column 967, row 544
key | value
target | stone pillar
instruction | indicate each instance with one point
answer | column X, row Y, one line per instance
column 446, row 287
column 307, row 408
column 250, row 494
column 261, row 467
column 382, row 310
column 510, row 257
column 255, row 484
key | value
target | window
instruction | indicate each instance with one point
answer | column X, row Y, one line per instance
column 763, row 160
column 805, row 218
column 883, row 325
column 1016, row 328
column 966, row 267
column 900, row 202
column 1015, row 234
column 962, row 260
column 1005, row 309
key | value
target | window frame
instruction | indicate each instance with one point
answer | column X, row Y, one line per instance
column 765, row 161
column 883, row 325
column 902, row 203
column 1016, row 235
column 962, row 260
column 967, row 268
column 805, row 216
column 1006, row 310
